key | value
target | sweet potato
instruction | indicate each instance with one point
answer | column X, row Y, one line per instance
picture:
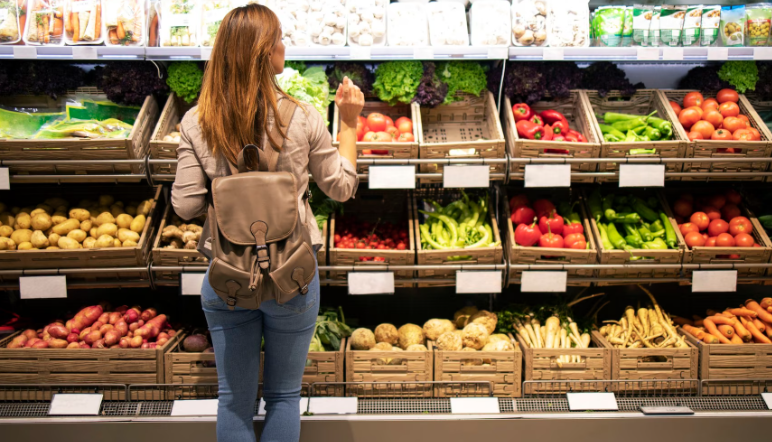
column 58, row 331
column 30, row 334
column 57, row 343
column 18, row 342
column 87, row 317
column 149, row 314
column 73, row 337
column 112, row 337
column 151, row 328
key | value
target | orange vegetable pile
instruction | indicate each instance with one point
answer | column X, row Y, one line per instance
column 381, row 128
column 748, row 324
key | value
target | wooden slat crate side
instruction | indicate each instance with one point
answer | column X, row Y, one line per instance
column 173, row 111
column 728, row 361
column 627, row 364
column 540, row 363
column 417, row 366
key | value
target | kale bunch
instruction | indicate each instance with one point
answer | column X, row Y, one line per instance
column 40, row 78
column 431, row 91
column 525, row 82
column 605, row 76
column 185, row 79
column 703, row 78
column 129, row 82
column 562, row 77
column 356, row 72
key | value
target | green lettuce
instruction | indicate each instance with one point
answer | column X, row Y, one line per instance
column 310, row 86
column 462, row 76
column 397, row 81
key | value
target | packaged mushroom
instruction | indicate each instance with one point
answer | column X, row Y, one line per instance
column 642, row 15
column 180, row 23
column 690, row 36
column 529, row 23
column 327, row 23
column 366, row 22
column 671, row 23
column 568, row 23
column 407, row 25
column 490, row 23
column 711, row 19
column 447, row 24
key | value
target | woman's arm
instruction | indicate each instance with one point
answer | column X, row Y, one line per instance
column 350, row 101
column 189, row 188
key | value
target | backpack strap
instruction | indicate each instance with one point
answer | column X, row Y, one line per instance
column 286, row 112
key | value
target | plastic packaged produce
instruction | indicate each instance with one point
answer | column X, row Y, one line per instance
column 367, row 22
column 83, row 22
column 654, row 29
column 671, row 22
column 125, row 22
column 690, row 36
column 293, row 15
column 11, row 26
column 180, row 23
column 568, row 23
column 627, row 30
column 45, row 24
column 757, row 20
column 447, row 24
column 711, row 18
column 732, row 25
column 490, row 23
column 642, row 15
column 529, row 23
column 407, row 25
column 327, row 26
column 608, row 25
column 212, row 13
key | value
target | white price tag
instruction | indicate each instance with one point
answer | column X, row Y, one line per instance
column 333, row 405
column 206, row 54
column 547, row 175
column 641, row 175
column 666, row 410
column 5, row 179
column 718, row 54
column 672, row 53
column 199, row 407
column 767, row 399
column 648, row 53
column 423, row 53
column 25, row 52
column 478, row 282
column 43, row 287
column 762, row 53
column 371, row 283
column 499, row 53
column 538, row 281
column 474, row 405
column 714, row 281
column 303, row 406
column 391, row 177
column 359, row 53
column 84, row 52
column 191, row 283
column 592, row 401
column 466, row 176
column 553, row 54
column 75, row 405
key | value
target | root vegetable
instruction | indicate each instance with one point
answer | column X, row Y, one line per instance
column 41, row 221
column 138, row 224
column 104, row 241
column 21, row 235
column 7, row 244
column 72, row 346
column 107, row 229
column 58, row 343
column 148, row 314
column 136, row 342
column 750, row 304
column 58, row 331
column 726, row 330
column 112, row 337
column 77, row 234
column 757, row 335
column 39, row 240
column 42, row 344
column 73, row 337
column 711, row 328
column 92, row 337
column 66, row 227
column 18, row 341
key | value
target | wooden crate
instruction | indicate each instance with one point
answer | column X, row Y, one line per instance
column 173, row 257
column 541, row 255
column 171, row 115
column 643, row 102
column 374, row 206
column 636, row 363
column 470, row 128
column 82, row 366
column 85, row 258
column 505, row 371
column 133, row 147
column 395, row 150
column 579, row 115
column 669, row 256
column 482, row 255
column 365, row 366
column 710, row 148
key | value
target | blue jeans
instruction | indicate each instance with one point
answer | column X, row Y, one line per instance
column 236, row 336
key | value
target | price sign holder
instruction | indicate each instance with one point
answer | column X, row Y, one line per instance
column 25, row 52
column 359, row 53
column 303, row 406
column 370, row 283
column 43, row 287
column 592, row 402
column 647, row 53
column 767, row 399
column 762, row 53
column 547, row 175
column 191, row 283
column 658, row 411
column 553, row 54
column 206, row 53
column 673, row 54
column 498, row 52
column 84, row 53
column 423, row 53
column 466, row 176
column 195, row 407
column 75, row 405
column 470, row 282
column 718, row 54
column 391, row 177
column 5, row 179
column 474, row 405
column 543, row 281
column 641, row 175
column 711, row 281
column 333, row 405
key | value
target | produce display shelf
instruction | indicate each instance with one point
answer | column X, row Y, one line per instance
column 631, row 54
column 342, row 53
column 102, row 53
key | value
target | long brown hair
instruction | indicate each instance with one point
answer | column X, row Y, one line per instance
column 239, row 87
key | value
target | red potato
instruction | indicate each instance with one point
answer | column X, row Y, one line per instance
column 32, row 342
column 145, row 346
column 104, row 317
column 105, row 328
column 82, row 335
column 152, row 345
column 161, row 341
column 40, row 344
column 99, row 344
column 130, row 334
column 136, row 342
column 73, row 345
column 133, row 326
column 124, row 343
column 58, row 331
column 45, row 337
column 84, row 345
column 72, row 337
column 68, row 324
column 122, row 327
column 141, row 322
column 112, row 337
column 131, row 316
column 92, row 337
column 162, row 335
column 149, row 314
column 75, row 330
column 58, row 343
column 29, row 333
column 114, row 318
column 97, row 325
column 19, row 341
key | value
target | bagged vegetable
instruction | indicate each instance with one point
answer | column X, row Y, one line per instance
column 490, row 23
column 125, row 22
column 711, row 18
column 180, row 21
column 692, row 25
column 642, row 15
column 757, row 19
column 529, row 23
column 447, row 24
column 671, row 24
column 568, row 23
column 407, row 25
column 327, row 25
column 83, row 22
column 213, row 11
column 627, row 30
column 366, row 22
column 654, row 34
column 609, row 23
column 11, row 26
column 732, row 25
column 45, row 24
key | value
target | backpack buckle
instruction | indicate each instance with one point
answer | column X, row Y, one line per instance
column 304, row 290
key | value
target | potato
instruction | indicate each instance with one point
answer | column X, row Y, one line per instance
column 7, row 243
column 58, row 219
column 7, row 219
column 6, row 231
column 21, row 235
column 86, row 225
column 116, row 210
column 39, row 240
column 129, row 243
column 124, row 220
column 126, row 234
column 105, row 241
column 26, row 246
column 23, row 221
column 93, row 233
column 117, row 242
column 41, row 221
column 68, row 243
column 107, row 229
column 80, row 214
column 138, row 224
column 37, row 211
column 145, row 206
column 104, row 218
column 54, row 238
column 77, row 234
column 66, row 227
column 106, row 200
column 131, row 210
column 89, row 243
column 52, row 248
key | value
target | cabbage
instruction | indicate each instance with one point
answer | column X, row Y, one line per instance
column 310, row 86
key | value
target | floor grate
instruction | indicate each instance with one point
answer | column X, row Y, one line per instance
column 154, row 408
column 404, row 406
column 541, row 405
column 120, row 409
column 506, row 405
column 24, row 409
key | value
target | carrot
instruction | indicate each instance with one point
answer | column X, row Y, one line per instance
column 726, row 330
column 47, row 36
column 710, row 339
column 68, row 23
column 681, row 321
column 763, row 314
column 722, row 320
column 766, row 303
column 736, row 340
column 153, row 35
column 696, row 332
column 75, row 27
column 757, row 335
column 98, row 18
column 699, row 323
column 742, row 312
column 119, row 31
column 113, row 37
column 710, row 326
column 57, row 27
column 759, row 324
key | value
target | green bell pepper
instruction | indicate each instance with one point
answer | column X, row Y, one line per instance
column 644, row 211
column 663, row 126
column 651, row 132
column 615, row 237
column 670, row 235
column 604, row 239
column 655, row 244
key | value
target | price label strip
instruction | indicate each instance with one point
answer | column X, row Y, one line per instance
column 553, row 54
column 84, row 52
column 718, row 54
column 673, row 54
column 641, row 175
column 468, row 282
column 592, row 402
column 474, row 405
column 333, row 405
column 43, row 287
column 547, row 175
column 647, row 53
column 424, row 53
column 5, row 179
column 75, row 405
column 655, row 411
column 711, row 281
column 206, row 53
column 191, row 283
column 359, row 53
column 200, row 407
column 25, row 52
column 391, row 177
column 498, row 53
column 370, row 283
column 544, row 282
column 466, row 176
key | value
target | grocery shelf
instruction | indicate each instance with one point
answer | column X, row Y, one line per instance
column 643, row 54
column 107, row 277
column 101, row 53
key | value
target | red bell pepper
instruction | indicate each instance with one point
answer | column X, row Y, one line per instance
column 522, row 111
column 560, row 127
column 578, row 135
column 537, row 120
column 548, row 134
column 551, row 116
column 527, row 234
column 530, row 130
column 571, row 137
column 556, row 151
column 558, row 138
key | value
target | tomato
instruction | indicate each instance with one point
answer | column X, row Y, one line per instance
column 729, row 212
column 717, row 227
column 695, row 136
column 406, row 137
column 376, row 122
column 389, row 121
column 733, row 124
column 693, row 99
column 725, row 150
column 740, row 224
column 404, row 124
column 518, row 201
column 756, row 133
column 709, row 104
column 676, row 107
column 698, row 109
column 683, row 208
column 569, row 240
column 725, row 95
column 369, row 137
column 733, row 196
column 700, row 219
column 401, row 246
column 688, row 227
column 721, row 134
column 713, row 117
column 717, row 201
column 581, row 245
column 688, row 117
column 744, row 240
column 694, row 239
column 710, row 242
column 704, row 128
column 729, row 109
column 705, row 235
column 743, row 135
column 712, row 212
column 361, row 126
column 746, row 119
column 725, row 240
column 393, row 131
column 383, row 137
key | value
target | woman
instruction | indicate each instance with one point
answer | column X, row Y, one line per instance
column 238, row 101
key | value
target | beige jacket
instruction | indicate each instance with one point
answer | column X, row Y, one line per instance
column 308, row 148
